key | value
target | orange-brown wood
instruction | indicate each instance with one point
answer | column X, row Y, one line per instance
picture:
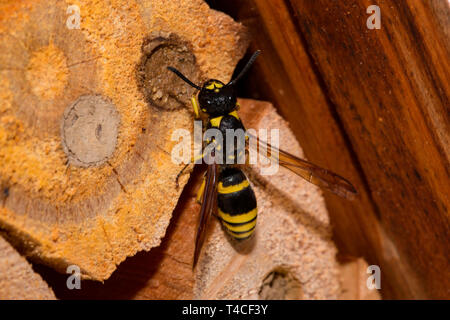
column 277, row 248
column 163, row 273
column 371, row 105
column 86, row 119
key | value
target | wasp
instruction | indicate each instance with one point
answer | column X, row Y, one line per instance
column 225, row 187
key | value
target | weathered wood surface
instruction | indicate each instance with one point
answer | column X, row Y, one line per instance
column 373, row 106
column 86, row 117
column 290, row 257
column 354, row 278
column 163, row 273
column 17, row 279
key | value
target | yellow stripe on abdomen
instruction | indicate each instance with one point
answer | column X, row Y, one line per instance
column 242, row 227
column 239, row 218
column 240, row 235
column 232, row 188
column 236, row 203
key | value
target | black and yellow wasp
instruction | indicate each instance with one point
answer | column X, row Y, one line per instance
column 235, row 200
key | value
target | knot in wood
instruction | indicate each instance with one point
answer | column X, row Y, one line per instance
column 89, row 130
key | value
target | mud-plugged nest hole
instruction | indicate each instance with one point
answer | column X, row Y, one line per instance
column 160, row 87
column 280, row 284
column 89, row 130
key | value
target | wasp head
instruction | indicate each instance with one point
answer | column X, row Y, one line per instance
column 216, row 98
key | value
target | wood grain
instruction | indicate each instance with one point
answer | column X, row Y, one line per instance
column 292, row 246
column 18, row 280
column 373, row 106
column 354, row 281
column 86, row 175
column 392, row 97
column 163, row 273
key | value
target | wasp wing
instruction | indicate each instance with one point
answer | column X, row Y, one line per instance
column 208, row 205
column 310, row 172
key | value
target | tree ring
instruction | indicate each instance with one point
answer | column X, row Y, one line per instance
column 89, row 130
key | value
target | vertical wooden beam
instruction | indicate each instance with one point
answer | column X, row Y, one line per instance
column 373, row 106
column 390, row 88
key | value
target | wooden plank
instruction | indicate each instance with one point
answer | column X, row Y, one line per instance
column 354, row 281
column 333, row 80
column 391, row 92
column 18, row 280
column 285, row 75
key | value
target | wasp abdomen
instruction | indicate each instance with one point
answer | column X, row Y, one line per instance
column 236, row 203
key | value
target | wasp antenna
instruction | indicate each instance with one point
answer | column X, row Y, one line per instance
column 247, row 66
column 183, row 77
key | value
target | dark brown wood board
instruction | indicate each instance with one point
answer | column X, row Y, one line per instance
column 373, row 106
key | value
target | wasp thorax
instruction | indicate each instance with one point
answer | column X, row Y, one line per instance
column 216, row 98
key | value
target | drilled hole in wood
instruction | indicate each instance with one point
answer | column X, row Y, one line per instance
column 162, row 88
column 89, row 130
column 279, row 284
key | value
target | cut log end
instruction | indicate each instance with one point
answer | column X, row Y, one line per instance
column 86, row 118
column 89, row 131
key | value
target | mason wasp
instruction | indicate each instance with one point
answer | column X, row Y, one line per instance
column 225, row 185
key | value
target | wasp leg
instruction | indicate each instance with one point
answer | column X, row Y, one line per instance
column 195, row 106
column 201, row 190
